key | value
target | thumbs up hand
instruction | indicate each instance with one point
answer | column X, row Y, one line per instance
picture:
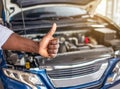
column 48, row 46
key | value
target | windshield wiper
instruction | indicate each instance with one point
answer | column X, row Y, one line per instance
column 35, row 16
column 40, row 16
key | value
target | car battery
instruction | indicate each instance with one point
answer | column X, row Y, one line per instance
column 103, row 34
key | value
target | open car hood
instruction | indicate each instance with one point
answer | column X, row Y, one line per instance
column 13, row 7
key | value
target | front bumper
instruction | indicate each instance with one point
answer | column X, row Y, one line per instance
column 49, row 83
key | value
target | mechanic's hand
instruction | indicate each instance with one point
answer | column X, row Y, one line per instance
column 48, row 46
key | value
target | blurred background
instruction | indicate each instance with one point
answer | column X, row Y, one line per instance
column 111, row 9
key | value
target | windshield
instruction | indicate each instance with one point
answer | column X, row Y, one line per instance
column 54, row 11
column 45, row 16
column 68, row 11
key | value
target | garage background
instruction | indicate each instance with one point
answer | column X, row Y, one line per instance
column 111, row 9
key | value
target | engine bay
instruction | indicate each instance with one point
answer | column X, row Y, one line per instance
column 76, row 46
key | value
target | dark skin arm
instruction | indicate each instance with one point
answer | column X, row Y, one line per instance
column 47, row 47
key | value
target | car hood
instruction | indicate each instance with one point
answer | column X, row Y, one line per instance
column 13, row 7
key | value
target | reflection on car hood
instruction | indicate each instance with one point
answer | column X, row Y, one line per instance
column 13, row 7
column 27, row 3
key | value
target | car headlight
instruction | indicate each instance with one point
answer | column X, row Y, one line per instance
column 115, row 75
column 31, row 80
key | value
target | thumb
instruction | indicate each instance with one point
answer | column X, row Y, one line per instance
column 52, row 30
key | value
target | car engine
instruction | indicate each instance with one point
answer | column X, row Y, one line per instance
column 77, row 45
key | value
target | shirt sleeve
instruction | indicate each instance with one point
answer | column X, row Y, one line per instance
column 4, row 34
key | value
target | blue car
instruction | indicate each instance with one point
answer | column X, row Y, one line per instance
column 89, row 52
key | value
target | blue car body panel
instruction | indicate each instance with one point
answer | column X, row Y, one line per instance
column 12, row 84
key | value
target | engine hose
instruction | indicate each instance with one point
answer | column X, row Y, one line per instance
column 75, row 41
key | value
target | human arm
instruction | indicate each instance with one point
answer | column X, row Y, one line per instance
column 47, row 47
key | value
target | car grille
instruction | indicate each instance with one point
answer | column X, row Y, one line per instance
column 79, row 74
column 94, row 86
column 74, row 71
column 97, row 86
